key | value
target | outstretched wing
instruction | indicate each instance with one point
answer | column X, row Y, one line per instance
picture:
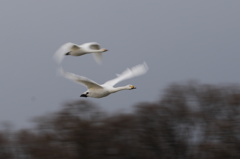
column 97, row 57
column 90, row 46
column 79, row 79
column 94, row 46
column 129, row 73
column 65, row 48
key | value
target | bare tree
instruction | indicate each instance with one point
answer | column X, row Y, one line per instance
column 190, row 120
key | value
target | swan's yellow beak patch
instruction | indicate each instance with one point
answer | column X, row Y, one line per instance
column 132, row 87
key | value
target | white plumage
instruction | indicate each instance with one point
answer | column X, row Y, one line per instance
column 78, row 50
column 98, row 91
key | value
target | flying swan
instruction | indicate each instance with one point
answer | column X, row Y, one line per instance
column 78, row 50
column 98, row 91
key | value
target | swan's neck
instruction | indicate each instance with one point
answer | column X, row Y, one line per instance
column 116, row 89
column 100, row 50
column 95, row 51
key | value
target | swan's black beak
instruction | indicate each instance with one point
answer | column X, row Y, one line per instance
column 104, row 50
column 83, row 95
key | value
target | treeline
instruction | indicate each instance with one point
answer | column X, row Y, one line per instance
column 190, row 121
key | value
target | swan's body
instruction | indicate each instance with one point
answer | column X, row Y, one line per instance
column 78, row 50
column 98, row 91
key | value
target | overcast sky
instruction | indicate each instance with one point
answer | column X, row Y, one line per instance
column 179, row 40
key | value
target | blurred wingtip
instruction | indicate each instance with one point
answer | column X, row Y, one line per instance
column 58, row 57
column 60, row 53
column 99, row 61
column 98, row 58
column 145, row 65
column 60, row 71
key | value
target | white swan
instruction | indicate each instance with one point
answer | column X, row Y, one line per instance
column 98, row 91
column 78, row 50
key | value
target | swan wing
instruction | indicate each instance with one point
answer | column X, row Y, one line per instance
column 79, row 79
column 94, row 46
column 90, row 46
column 128, row 73
column 97, row 57
column 65, row 48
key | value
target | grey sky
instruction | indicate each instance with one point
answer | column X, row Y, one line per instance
column 180, row 40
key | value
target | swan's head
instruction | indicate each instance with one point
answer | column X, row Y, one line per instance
column 104, row 50
column 131, row 87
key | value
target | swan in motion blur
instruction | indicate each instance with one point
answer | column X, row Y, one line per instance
column 98, row 91
column 78, row 50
